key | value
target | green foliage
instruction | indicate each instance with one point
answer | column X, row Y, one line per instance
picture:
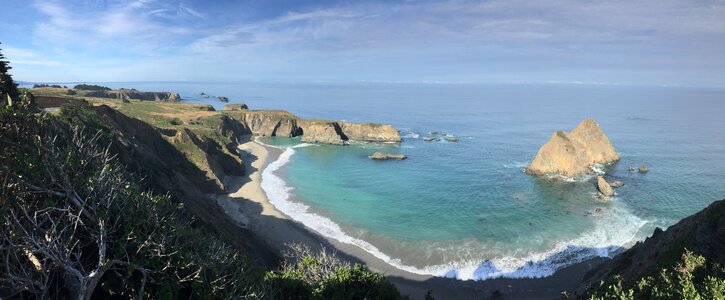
column 7, row 85
column 689, row 279
column 152, row 247
column 308, row 275
column 47, row 86
column 91, row 87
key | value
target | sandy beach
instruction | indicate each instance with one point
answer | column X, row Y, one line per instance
column 249, row 206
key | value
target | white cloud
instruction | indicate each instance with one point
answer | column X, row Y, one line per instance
column 19, row 56
column 130, row 25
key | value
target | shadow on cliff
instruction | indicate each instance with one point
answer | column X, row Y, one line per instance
column 142, row 148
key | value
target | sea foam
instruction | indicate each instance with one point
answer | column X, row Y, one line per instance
column 614, row 229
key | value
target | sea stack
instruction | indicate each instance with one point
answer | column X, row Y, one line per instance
column 572, row 154
column 604, row 187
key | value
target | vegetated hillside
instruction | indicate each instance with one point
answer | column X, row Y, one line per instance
column 686, row 261
column 96, row 204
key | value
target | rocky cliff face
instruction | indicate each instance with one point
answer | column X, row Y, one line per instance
column 573, row 153
column 323, row 132
column 702, row 233
column 370, row 132
column 136, row 95
column 282, row 123
column 269, row 122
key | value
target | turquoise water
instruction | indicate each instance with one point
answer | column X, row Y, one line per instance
column 466, row 209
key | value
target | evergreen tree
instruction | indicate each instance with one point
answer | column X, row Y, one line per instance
column 7, row 85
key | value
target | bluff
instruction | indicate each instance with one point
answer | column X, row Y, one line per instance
column 573, row 153
column 283, row 123
column 131, row 94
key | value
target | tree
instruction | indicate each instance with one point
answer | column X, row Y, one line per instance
column 8, row 88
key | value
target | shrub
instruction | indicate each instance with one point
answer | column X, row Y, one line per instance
column 91, row 87
column 308, row 275
column 688, row 279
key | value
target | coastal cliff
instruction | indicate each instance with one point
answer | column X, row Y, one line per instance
column 268, row 122
column 136, row 95
column 284, row 124
column 573, row 153
column 323, row 132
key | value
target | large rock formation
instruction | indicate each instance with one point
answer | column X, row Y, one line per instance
column 370, row 132
column 269, row 122
column 387, row 156
column 573, row 153
column 603, row 187
column 323, row 132
column 131, row 94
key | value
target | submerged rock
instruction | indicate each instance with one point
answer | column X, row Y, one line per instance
column 434, row 132
column 431, row 139
column 643, row 169
column 616, row 184
column 387, row 156
column 573, row 153
column 223, row 99
column 452, row 139
column 604, row 187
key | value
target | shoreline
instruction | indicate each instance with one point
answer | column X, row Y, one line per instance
column 251, row 208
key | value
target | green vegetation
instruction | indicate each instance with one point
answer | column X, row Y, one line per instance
column 690, row 278
column 48, row 86
column 91, row 87
column 307, row 275
column 8, row 88
column 78, row 224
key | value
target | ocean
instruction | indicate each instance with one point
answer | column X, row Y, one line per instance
column 466, row 209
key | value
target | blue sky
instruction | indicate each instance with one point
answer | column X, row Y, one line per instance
column 596, row 42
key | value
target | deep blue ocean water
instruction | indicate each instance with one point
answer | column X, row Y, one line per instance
column 466, row 209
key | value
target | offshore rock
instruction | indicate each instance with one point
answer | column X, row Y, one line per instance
column 573, row 153
column 387, row 156
column 604, row 187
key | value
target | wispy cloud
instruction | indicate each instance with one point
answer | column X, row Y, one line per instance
column 18, row 56
column 129, row 24
column 447, row 40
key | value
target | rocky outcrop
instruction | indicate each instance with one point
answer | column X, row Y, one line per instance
column 702, row 233
column 282, row 123
column 603, row 187
column 236, row 106
column 135, row 95
column 616, row 184
column 369, row 132
column 223, row 99
column 573, row 153
column 643, row 169
column 269, row 122
column 452, row 139
column 431, row 139
column 387, row 156
column 323, row 132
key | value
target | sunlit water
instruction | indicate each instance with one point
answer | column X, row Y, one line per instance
column 466, row 209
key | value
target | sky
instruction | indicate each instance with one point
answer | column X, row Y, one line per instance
column 659, row 43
